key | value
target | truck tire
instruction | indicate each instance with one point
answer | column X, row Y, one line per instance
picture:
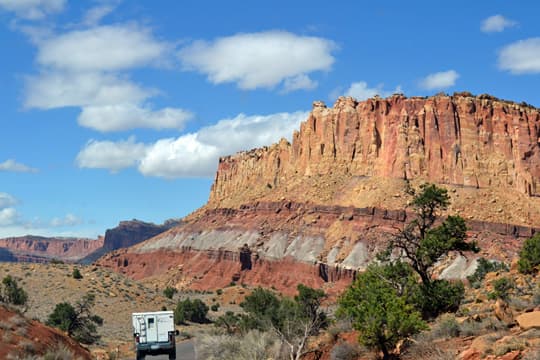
column 140, row 355
column 172, row 354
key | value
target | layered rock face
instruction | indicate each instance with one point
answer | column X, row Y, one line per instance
column 43, row 249
column 317, row 210
column 460, row 140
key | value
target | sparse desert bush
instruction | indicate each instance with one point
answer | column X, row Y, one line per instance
column 475, row 328
column 339, row 326
column 255, row 345
column 501, row 289
column 7, row 337
column 27, row 346
column 21, row 331
column 5, row 325
column 446, row 327
column 214, row 307
column 532, row 355
column 510, row 345
column 423, row 348
column 345, row 351
column 484, row 267
column 518, row 304
column 59, row 353
column 18, row 321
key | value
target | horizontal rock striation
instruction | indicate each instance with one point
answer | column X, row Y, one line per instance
column 289, row 243
column 461, row 140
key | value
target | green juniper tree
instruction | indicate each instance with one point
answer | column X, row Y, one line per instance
column 77, row 320
column 378, row 304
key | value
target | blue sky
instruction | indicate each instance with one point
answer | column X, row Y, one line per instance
column 114, row 110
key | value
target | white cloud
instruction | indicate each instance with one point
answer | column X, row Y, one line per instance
column 110, row 155
column 61, row 89
column 13, row 166
column 120, row 117
column 521, row 57
column 103, row 48
column 361, row 91
column 8, row 216
column 185, row 156
column 86, row 68
column 496, row 23
column 68, row 220
column 258, row 60
column 299, row 82
column 6, row 200
column 95, row 14
column 33, row 9
column 195, row 154
column 439, row 80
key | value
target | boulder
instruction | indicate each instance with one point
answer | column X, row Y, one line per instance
column 529, row 320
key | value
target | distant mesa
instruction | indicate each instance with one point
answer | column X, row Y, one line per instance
column 44, row 249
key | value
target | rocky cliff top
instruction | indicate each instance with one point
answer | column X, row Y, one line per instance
column 484, row 149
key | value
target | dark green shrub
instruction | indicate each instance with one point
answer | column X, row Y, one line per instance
column 214, row 307
column 529, row 256
column 438, row 297
column 11, row 293
column 501, row 289
column 77, row 321
column 76, row 274
column 188, row 310
column 219, row 291
column 169, row 292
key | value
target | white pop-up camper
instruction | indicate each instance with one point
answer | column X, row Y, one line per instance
column 154, row 333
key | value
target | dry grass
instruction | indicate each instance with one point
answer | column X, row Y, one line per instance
column 116, row 296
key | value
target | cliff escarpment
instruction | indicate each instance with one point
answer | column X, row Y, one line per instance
column 317, row 210
column 461, row 140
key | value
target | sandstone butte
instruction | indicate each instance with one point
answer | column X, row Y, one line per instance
column 316, row 210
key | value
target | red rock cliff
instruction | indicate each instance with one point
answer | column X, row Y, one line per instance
column 461, row 140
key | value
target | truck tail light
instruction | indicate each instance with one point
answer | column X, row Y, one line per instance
column 137, row 339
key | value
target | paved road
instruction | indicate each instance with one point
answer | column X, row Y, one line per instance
column 184, row 351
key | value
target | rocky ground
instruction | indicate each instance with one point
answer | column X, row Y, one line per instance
column 482, row 328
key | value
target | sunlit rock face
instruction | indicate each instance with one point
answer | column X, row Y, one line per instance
column 317, row 210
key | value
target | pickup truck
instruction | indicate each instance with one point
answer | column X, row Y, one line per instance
column 154, row 333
